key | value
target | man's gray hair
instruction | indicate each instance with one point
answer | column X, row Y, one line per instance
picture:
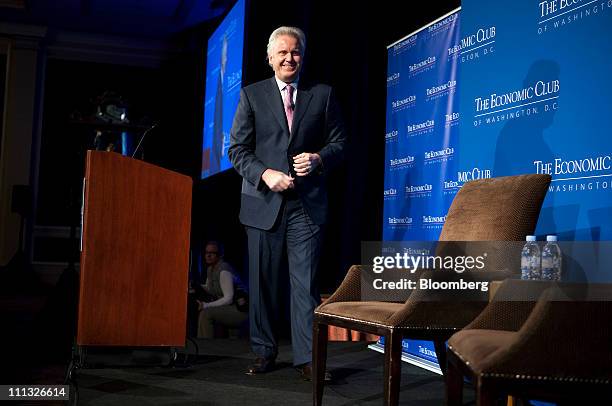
column 291, row 31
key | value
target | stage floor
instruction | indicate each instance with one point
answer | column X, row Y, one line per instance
column 37, row 347
column 216, row 377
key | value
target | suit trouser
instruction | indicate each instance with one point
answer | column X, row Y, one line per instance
column 296, row 234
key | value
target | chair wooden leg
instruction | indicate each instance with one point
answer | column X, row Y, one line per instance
column 319, row 358
column 393, row 367
column 440, row 347
column 454, row 385
column 484, row 396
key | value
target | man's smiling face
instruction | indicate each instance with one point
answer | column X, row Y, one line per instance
column 286, row 58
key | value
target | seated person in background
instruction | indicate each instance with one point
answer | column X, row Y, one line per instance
column 223, row 286
column 196, row 294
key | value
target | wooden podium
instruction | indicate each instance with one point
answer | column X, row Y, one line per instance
column 134, row 253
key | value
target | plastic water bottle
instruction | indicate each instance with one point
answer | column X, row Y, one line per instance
column 530, row 259
column 551, row 259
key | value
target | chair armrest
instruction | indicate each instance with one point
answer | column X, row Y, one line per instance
column 350, row 288
column 445, row 309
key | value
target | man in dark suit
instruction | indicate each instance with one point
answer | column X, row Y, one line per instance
column 284, row 139
column 218, row 141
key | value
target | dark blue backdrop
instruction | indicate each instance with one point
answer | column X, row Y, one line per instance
column 421, row 142
column 534, row 97
column 422, row 132
column 535, row 91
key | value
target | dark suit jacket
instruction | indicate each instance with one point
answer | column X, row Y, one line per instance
column 260, row 140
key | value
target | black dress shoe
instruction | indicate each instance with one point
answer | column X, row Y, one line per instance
column 261, row 366
column 305, row 371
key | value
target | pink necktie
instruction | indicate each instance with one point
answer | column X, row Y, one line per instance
column 289, row 105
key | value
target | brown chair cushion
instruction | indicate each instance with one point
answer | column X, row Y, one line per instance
column 563, row 337
column 479, row 349
column 377, row 313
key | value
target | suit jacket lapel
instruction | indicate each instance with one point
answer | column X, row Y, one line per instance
column 275, row 101
column 301, row 106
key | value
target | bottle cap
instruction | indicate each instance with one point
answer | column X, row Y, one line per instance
column 551, row 238
column 530, row 238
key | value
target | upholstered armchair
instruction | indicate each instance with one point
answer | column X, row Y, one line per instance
column 558, row 348
column 499, row 209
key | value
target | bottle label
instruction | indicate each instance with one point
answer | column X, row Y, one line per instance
column 551, row 268
column 530, row 267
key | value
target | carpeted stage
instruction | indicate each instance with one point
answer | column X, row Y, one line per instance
column 216, row 377
column 37, row 344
